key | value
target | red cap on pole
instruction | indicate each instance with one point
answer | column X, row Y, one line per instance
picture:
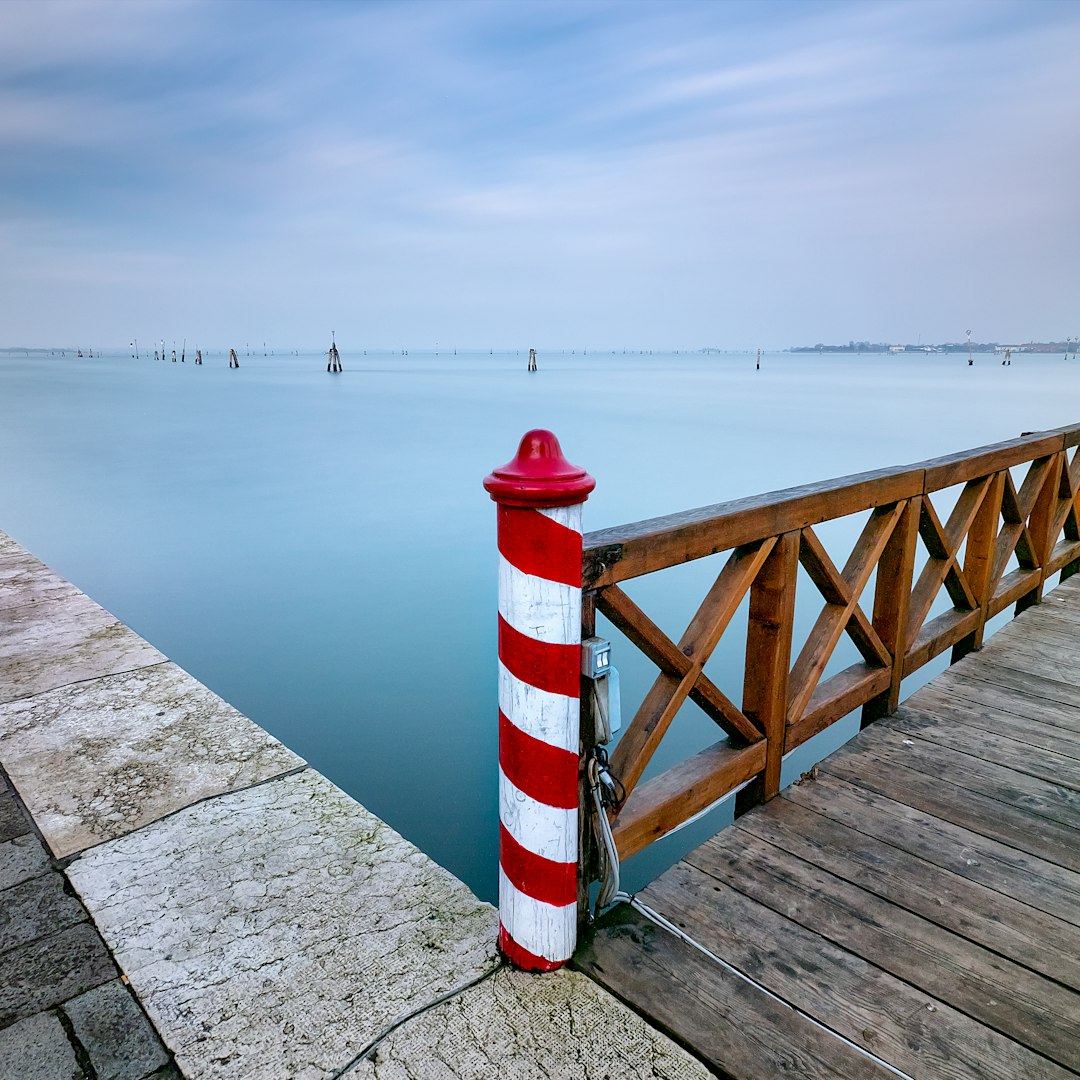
column 539, row 476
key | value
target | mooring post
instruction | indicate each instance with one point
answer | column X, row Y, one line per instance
column 540, row 495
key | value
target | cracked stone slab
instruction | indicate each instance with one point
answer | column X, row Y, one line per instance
column 276, row 931
column 529, row 1027
column 98, row 759
column 56, row 642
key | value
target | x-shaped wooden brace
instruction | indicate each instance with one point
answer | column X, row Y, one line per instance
column 1016, row 508
column 1067, row 501
column 681, row 666
column 943, row 566
column 842, row 591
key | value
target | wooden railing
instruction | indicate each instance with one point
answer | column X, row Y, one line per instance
column 785, row 702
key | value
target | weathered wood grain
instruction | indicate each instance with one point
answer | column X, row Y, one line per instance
column 970, row 773
column 998, row 671
column 768, row 657
column 997, row 697
column 1038, row 883
column 741, row 1031
column 1005, row 996
column 835, row 697
column 991, row 712
column 903, row 1025
column 954, row 469
column 981, row 813
column 628, row 551
column 656, row 807
column 1039, row 941
column 988, row 746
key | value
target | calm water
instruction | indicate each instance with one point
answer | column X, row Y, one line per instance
column 319, row 549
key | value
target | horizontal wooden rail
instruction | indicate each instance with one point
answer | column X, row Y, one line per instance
column 786, row 700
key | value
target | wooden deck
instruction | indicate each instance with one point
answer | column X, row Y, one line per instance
column 913, row 908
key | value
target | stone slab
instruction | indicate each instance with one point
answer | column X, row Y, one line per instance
column 35, row 908
column 10, row 546
column 21, row 859
column 37, row 1048
column 25, row 580
column 98, row 759
column 276, row 931
column 51, row 970
column 529, row 1027
column 57, row 642
column 12, row 820
column 115, row 1033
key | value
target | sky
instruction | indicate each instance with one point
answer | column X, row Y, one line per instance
column 558, row 174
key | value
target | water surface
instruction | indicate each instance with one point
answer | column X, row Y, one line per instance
column 319, row 550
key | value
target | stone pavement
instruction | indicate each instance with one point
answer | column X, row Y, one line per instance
column 269, row 925
column 65, row 1013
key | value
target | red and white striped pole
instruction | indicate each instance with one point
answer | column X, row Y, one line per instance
column 540, row 496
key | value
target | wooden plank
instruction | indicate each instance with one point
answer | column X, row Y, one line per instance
column 937, row 635
column 944, row 472
column 1027, row 655
column 627, row 551
column 1011, row 587
column 1007, row 997
column 953, row 706
column 734, row 1026
column 888, row 740
column 835, row 697
column 666, row 801
column 1037, row 883
column 1036, row 637
column 981, row 690
column 987, row 746
column 1038, row 941
column 994, row 668
column 1064, row 553
column 768, row 656
column 974, row 810
column 1059, row 615
column 904, row 1026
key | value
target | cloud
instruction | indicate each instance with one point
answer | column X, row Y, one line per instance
column 558, row 155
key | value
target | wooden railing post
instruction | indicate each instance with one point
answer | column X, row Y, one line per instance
column 540, row 495
column 1039, row 524
column 768, row 662
column 892, row 593
column 979, row 561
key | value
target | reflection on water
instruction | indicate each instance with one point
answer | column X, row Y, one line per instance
column 319, row 550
